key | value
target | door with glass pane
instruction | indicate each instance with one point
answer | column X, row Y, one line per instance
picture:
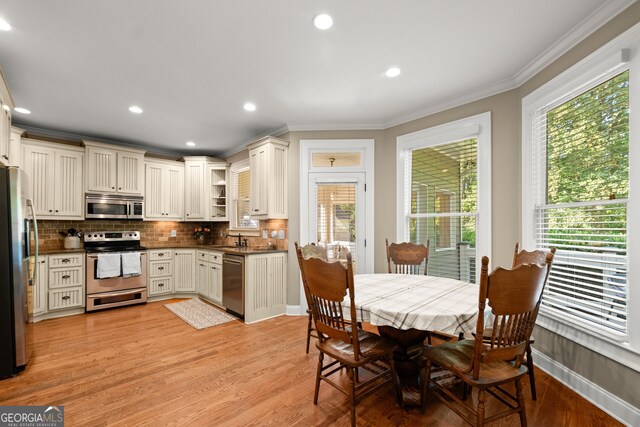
column 337, row 217
column 444, row 206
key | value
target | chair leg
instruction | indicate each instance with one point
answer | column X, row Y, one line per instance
column 521, row 408
column 308, row 333
column 532, row 378
column 351, row 372
column 424, row 379
column 315, row 395
column 480, row 412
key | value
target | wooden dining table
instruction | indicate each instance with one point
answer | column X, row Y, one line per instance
column 405, row 308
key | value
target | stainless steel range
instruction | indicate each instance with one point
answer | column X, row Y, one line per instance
column 116, row 269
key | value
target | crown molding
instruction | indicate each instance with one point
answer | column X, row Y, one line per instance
column 273, row 132
column 455, row 101
column 301, row 127
column 585, row 28
column 74, row 137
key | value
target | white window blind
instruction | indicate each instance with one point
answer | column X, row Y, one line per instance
column 443, row 211
column 241, row 186
column 580, row 189
column 336, row 229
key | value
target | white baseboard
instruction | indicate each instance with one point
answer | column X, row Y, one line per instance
column 295, row 310
column 609, row 403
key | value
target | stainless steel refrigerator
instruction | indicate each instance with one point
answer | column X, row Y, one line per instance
column 17, row 227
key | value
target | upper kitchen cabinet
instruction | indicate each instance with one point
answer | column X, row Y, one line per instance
column 268, row 162
column 218, row 190
column 164, row 190
column 6, row 105
column 114, row 170
column 204, row 187
column 15, row 147
column 55, row 179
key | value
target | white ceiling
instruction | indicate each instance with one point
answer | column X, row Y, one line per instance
column 191, row 65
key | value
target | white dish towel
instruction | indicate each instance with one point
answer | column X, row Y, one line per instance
column 108, row 266
column 131, row 264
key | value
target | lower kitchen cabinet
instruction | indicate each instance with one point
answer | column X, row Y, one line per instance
column 184, row 274
column 160, row 272
column 265, row 286
column 209, row 275
column 65, row 280
column 39, row 289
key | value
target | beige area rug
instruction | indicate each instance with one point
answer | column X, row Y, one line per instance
column 199, row 314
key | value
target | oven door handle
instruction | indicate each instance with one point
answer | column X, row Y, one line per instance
column 117, row 294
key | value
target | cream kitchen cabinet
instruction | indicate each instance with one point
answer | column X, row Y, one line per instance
column 160, row 272
column 218, row 191
column 6, row 105
column 40, row 285
column 265, row 286
column 184, row 272
column 65, row 281
column 55, row 179
column 114, row 170
column 201, row 183
column 268, row 162
column 209, row 275
column 164, row 190
column 15, row 147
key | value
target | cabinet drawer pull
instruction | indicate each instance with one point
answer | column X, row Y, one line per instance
column 201, row 265
column 160, row 268
column 5, row 157
column 160, row 285
column 161, row 254
column 66, row 260
column 66, row 297
column 66, row 276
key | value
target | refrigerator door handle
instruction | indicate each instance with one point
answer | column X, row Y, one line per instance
column 35, row 236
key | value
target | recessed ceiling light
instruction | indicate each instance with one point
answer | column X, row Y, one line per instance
column 5, row 107
column 4, row 25
column 393, row 72
column 250, row 106
column 191, row 143
column 21, row 110
column 135, row 109
column 323, row 21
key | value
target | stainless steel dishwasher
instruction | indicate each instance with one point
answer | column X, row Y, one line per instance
column 233, row 284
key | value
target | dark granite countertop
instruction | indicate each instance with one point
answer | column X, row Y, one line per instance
column 221, row 248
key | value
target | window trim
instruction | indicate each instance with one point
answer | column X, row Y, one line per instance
column 615, row 56
column 233, row 227
column 478, row 126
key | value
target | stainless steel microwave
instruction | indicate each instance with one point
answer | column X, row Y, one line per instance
column 113, row 206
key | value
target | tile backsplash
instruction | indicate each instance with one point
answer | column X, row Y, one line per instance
column 160, row 231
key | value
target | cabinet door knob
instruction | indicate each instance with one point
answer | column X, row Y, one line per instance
column 5, row 157
column 50, row 210
column 56, row 210
column 113, row 188
column 119, row 188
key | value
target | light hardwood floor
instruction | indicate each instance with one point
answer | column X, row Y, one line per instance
column 142, row 365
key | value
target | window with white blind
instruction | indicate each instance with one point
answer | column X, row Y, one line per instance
column 240, row 217
column 444, row 192
column 577, row 163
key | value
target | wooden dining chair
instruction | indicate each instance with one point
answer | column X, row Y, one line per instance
column 311, row 251
column 487, row 365
column 520, row 258
column 326, row 285
column 407, row 257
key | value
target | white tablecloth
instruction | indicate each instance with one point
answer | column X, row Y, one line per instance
column 414, row 301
